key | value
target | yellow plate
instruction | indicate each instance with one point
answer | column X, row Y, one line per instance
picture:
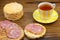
column 53, row 18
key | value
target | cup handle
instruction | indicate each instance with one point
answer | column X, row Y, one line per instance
column 54, row 5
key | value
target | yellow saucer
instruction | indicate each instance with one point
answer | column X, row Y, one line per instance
column 53, row 18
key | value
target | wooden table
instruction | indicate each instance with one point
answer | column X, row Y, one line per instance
column 53, row 29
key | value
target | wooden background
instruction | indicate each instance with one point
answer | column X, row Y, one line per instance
column 53, row 29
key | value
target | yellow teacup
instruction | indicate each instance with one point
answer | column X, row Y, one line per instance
column 46, row 9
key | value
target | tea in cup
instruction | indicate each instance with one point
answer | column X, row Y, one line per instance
column 46, row 9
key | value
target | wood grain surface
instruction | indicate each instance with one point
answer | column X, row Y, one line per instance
column 53, row 29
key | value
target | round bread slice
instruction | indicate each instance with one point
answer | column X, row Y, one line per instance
column 35, row 30
column 21, row 34
column 14, row 38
